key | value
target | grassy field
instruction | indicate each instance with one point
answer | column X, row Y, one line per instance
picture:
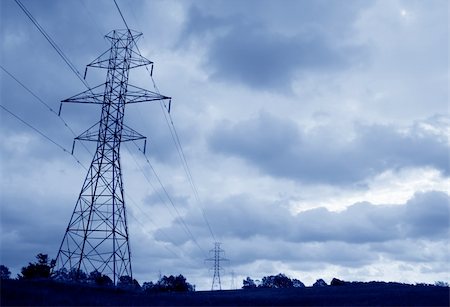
column 47, row 293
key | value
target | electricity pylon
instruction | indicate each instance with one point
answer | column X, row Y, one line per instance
column 233, row 285
column 217, row 253
column 97, row 237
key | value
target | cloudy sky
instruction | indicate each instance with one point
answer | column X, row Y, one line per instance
column 317, row 135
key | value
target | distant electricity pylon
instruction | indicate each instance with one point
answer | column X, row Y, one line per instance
column 97, row 237
column 233, row 285
column 216, row 254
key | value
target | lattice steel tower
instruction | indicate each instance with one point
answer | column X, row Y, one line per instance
column 97, row 236
column 216, row 253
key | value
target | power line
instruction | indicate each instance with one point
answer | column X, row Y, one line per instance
column 171, row 202
column 179, row 148
column 143, row 229
column 186, row 228
column 41, row 134
column 189, row 175
column 148, row 179
column 100, row 30
column 151, row 221
column 28, row 90
column 49, row 108
column 175, row 138
column 52, row 43
column 121, row 15
column 153, row 170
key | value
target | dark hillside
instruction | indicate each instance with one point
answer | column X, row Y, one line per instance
column 47, row 293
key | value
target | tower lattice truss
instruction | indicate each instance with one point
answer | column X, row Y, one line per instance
column 97, row 237
column 217, row 257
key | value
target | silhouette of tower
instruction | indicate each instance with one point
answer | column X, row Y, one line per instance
column 216, row 253
column 97, row 238
column 233, row 285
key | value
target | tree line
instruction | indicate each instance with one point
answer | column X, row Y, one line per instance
column 282, row 281
column 42, row 269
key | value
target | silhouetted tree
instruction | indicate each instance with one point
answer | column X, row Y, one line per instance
column 174, row 284
column 337, row 282
column 40, row 269
column 75, row 275
column 248, row 283
column 78, row 275
column 441, row 284
column 320, row 283
column 169, row 284
column 297, row 283
column 127, row 282
column 148, row 286
column 99, row 279
column 276, row 281
column 61, row 275
column 5, row 273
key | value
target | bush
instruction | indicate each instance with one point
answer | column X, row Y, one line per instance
column 99, row 279
column 77, row 275
column 320, row 283
column 248, row 283
column 277, row 281
column 61, row 275
column 441, row 284
column 169, row 284
column 273, row 281
column 126, row 282
column 40, row 269
column 297, row 283
column 148, row 286
column 5, row 273
column 337, row 282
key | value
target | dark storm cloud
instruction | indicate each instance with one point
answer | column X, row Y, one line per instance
column 260, row 59
column 354, row 237
column 305, row 255
column 323, row 155
column 26, row 236
column 247, row 52
column 426, row 215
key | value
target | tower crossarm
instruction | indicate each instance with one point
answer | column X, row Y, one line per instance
column 136, row 94
column 88, row 96
column 128, row 134
column 120, row 41
column 136, row 60
column 91, row 134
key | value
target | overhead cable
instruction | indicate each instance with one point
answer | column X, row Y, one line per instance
column 147, row 160
column 171, row 201
column 41, row 133
column 151, row 221
column 49, row 108
column 52, row 43
column 121, row 15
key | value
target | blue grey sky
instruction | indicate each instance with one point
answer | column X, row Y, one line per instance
column 317, row 133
